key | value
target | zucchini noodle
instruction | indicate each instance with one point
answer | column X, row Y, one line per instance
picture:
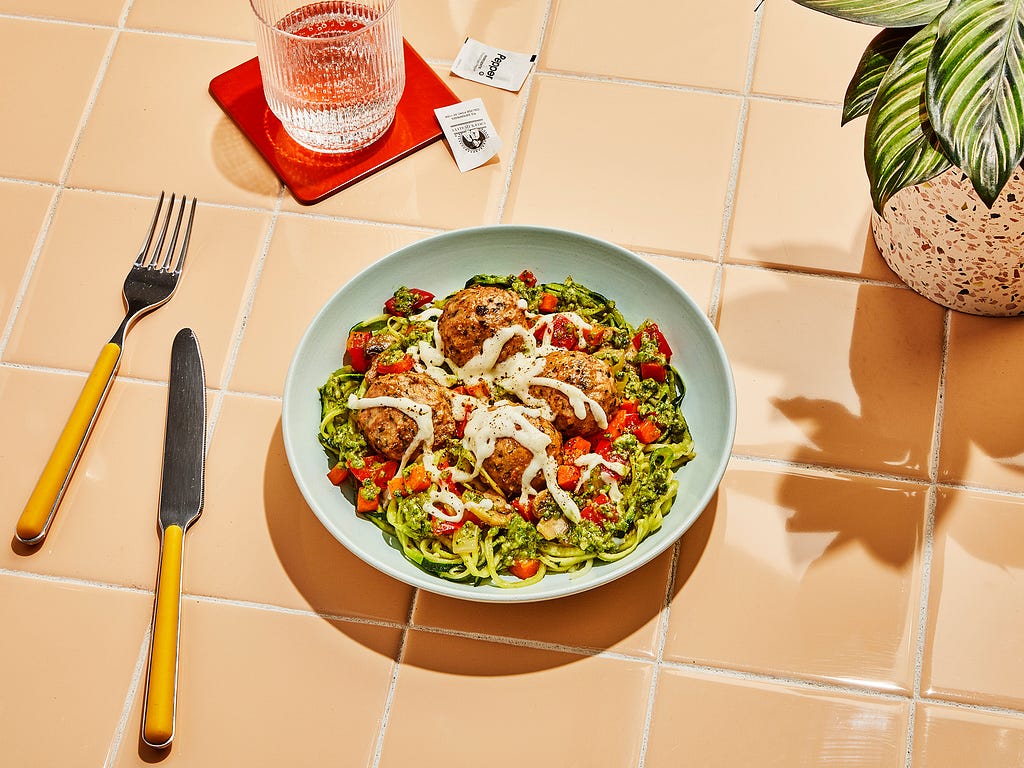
column 626, row 474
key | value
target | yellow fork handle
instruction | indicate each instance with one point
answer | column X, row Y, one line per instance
column 161, row 687
column 42, row 504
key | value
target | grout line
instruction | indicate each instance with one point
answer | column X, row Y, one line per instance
column 517, row 136
column 62, row 178
column 715, row 302
column 928, row 544
column 129, row 702
column 229, row 368
column 389, row 697
column 659, row 659
column 74, row 581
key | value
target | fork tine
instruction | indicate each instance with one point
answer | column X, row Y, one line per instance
column 169, row 253
column 185, row 239
column 141, row 258
column 155, row 257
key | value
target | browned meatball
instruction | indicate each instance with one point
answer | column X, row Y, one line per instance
column 472, row 316
column 510, row 459
column 389, row 431
column 587, row 373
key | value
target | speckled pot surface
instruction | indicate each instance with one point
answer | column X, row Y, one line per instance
column 945, row 244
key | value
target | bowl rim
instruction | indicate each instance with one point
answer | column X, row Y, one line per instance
column 406, row 571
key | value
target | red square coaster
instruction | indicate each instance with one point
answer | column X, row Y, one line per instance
column 312, row 176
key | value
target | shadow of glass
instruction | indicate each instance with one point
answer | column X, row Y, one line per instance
column 239, row 162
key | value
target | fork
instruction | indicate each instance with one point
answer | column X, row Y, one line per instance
column 150, row 283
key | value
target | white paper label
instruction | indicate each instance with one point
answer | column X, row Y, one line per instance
column 469, row 132
column 485, row 64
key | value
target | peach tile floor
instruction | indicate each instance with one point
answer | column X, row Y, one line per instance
column 853, row 595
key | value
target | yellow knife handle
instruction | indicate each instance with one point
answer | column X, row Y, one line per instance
column 46, row 496
column 161, row 688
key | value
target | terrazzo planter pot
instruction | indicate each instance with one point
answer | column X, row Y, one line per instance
column 942, row 241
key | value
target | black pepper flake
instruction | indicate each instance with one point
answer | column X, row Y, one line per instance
column 1011, row 198
column 963, row 292
column 994, row 215
column 950, row 218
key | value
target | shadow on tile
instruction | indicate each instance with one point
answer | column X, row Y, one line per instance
column 239, row 162
column 333, row 581
column 624, row 616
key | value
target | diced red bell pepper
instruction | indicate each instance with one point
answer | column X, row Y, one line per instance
column 568, row 475
column 338, row 474
column 356, row 348
column 603, row 448
column 623, row 421
column 647, row 431
column 528, row 277
column 401, row 365
column 420, row 299
column 418, row 480
column 629, row 405
column 652, row 331
column 599, row 509
column 548, row 303
column 374, row 468
column 366, row 503
column 525, row 509
column 524, row 568
column 654, row 371
column 564, row 333
column 573, row 448
column 445, row 527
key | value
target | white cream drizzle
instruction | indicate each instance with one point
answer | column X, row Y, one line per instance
column 484, row 426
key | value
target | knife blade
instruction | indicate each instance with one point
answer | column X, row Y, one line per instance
column 181, row 502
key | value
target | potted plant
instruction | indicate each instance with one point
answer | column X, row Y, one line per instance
column 942, row 86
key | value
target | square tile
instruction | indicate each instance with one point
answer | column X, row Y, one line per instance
column 520, row 684
column 803, row 199
column 697, row 278
column 437, row 28
column 67, row 654
column 981, row 439
column 308, row 261
column 57, row 65
column 426, row 188
column 658, row 189
column 258, row 540
column 88, row 11
column 682, row 43
column 826, row 567
column 105, row 529
column 951, row 737
column 791, row 37
column 859, row 388
column 210, row 18
column 720, row 722
column 624, row 616
column 975, row 603
column 154, row 126
column 262, row 687
column 25, row 207
column 105, row 232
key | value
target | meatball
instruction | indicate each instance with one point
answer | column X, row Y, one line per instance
column 510, row 459
column 587, row 373
column 472, row 316
column 389, row 431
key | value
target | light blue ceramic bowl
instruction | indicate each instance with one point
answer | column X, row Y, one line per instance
column 441, row 265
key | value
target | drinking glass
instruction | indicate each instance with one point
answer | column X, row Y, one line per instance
column 333, row 71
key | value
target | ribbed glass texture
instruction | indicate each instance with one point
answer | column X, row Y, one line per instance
column 333, row 71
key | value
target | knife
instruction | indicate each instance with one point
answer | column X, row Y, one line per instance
column 181, row 501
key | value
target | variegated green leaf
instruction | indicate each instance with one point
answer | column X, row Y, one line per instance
column 900, row 148
column 881, row 13
column 873, row 65
column 975, row 82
